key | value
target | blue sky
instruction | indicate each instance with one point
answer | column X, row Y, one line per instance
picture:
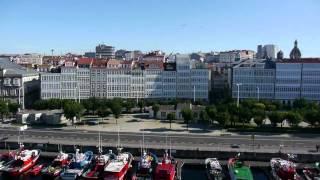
column 169, row 25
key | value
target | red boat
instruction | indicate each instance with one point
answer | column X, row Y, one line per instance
column 54, row 170
column 23, row 161
column 283, row 169
column 97, row 168
column 36, row 170
column 166, row 170
column 118, row 167
column 8, row 158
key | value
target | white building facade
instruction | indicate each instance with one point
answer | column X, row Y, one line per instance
column 256, row 80
column 287, row 81
column 124, row 79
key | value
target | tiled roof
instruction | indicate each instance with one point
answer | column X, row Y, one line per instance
column 87, row 61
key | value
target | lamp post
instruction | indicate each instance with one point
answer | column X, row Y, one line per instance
column 238, row 98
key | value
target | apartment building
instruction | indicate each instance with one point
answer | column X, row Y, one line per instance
column 18, row 84
column 284, row 80
column 129, row 79
column 256, row 79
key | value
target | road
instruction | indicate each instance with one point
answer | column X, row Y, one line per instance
column 262, row 143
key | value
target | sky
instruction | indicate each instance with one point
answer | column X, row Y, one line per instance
column 182, row 26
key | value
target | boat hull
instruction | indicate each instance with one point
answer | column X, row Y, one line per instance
column 17, row 171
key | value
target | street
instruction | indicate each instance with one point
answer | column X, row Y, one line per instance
column 262, row 143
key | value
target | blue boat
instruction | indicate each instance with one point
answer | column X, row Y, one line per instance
column 77, row 166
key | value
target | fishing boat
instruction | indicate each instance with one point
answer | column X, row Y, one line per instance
column 77, row 166
column 61, row 161
column 146, row 166
column 283, row 169
column 238, row 169
column 166, row 170
column 36, row 170
column 6, row 159
column 97, row 167
column 23, row 162
column 312, row 172
column 213, row 169
column 118, row 167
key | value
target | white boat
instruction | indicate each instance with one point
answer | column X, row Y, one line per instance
column 213, row 169
column 118, row 167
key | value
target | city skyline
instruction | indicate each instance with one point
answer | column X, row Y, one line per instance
column 164, row 25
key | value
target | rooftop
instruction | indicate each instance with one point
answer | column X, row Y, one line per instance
column 301, row 60
column 15, row 69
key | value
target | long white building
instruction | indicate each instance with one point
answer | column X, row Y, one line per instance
column 285, row 81
column 129, row 79
column 255, row 80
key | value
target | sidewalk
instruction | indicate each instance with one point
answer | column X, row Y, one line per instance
column 136, row 123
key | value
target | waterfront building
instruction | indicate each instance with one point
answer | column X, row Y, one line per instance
column 256, row 79
column 128, row 79
column 18, row 84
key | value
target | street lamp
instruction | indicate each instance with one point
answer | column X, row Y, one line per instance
column 238, row 98
column 258, row 93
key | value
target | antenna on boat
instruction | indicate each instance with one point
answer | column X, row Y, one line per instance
column 166, row 141
column 143, row 148
column 119, row 148
column 170, row 147
column 99, row 144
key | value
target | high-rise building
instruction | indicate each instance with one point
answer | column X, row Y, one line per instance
column 267, row 51
column 104, row 51
column 270, row 51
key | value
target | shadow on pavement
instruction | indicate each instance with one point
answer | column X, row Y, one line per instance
column 163, row 130
column 133, row 120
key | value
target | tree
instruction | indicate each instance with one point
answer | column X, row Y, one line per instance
column 129, row 104
column 204, row 117
column 13, row 108
column 223, row 118
column 245, row 114
column 311, row 116
column 155, row 109
column 293, row 117
column 103, row 111
column 141, row 105
column 116, row 108
column 299, row 103
column 258, row 116
column 233, row 112
column 171, row 116
column 275, row 118
column 40, row 105
column 54, row 104
column 73, row 109
column 3, row 109
column 211, row 111
column 271, row 107
column 187, row 116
